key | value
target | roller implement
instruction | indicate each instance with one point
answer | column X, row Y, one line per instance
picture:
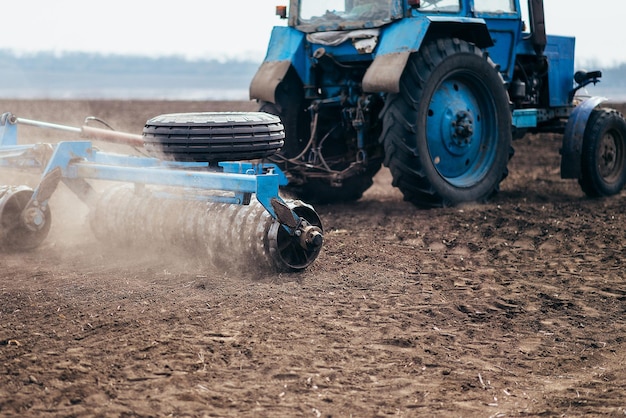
column 201, row 184
column 436, row 90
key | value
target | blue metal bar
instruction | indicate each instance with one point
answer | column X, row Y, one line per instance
column 76, row 160
column 525, row 118
column 136, row 161
column 242, row 167
column 180, row 178
column 8, row 130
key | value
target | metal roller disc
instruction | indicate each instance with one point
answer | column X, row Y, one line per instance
column 14, row 233
column 290, row 253
column 228, row 236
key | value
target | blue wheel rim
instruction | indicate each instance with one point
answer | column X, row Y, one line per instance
column 461, row 130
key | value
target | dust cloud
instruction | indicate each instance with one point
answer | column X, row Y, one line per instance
column 138, row 230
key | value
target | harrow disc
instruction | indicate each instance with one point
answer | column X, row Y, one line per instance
column 213, row 136
column 287, row 253
column 228, row 236
column 15, row 234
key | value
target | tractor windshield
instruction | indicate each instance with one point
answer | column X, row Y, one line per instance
column 324, row 15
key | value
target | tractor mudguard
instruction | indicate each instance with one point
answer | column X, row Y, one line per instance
column 286, row 48
column 400, row 40
column 571, row 151
column 397, row 42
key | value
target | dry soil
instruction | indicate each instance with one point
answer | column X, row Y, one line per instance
column 511, row 308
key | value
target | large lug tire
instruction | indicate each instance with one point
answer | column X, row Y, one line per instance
column 213, row 136
column 447, row 134
column 307, row 184
column 603, row 161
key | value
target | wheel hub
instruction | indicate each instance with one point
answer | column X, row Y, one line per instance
column 460, row 141
column 462, row 129
column 608, row 155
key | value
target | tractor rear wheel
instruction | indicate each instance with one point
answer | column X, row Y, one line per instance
column 603, row 160
column 447, row 134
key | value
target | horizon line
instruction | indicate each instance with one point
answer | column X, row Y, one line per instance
column 245, row 56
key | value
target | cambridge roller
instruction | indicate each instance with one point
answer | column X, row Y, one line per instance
column 204, row 189
column 226, row 235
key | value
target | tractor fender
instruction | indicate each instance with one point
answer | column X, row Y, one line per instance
column 286, row 49
column 399, row 40
column 571, row 151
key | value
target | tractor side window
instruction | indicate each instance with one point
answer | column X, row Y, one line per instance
column 443, row 6
column 329, row 12
column 494, row 6
column 316, row 8
column 368, row 9
column 525, row 16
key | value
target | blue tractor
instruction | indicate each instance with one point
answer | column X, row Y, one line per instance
column 436, row 90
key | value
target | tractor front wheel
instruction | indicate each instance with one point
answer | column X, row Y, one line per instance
column 604, row 154
column 447, row 134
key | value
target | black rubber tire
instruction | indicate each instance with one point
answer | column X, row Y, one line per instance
column 213, row 136
column 460, row 68
column 603, row 160
column 291, row 108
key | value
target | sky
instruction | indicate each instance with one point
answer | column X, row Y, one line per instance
column 208, row 29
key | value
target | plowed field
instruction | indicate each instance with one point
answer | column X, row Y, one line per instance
column 511, row 308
